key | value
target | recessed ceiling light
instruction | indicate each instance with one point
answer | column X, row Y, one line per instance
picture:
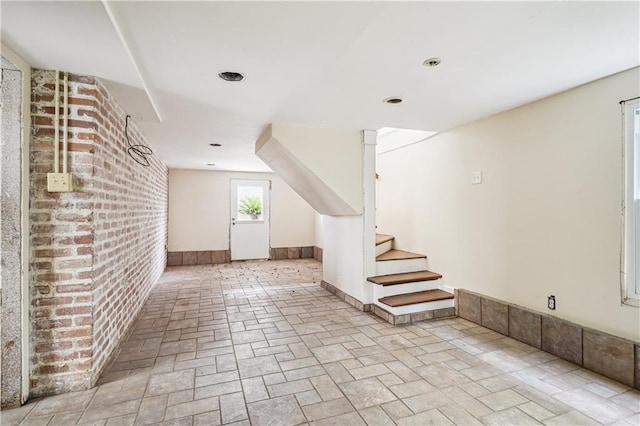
column 432, row 62
column 231, row 76
column 393, row 100
column 210, row 164
column 214, row 144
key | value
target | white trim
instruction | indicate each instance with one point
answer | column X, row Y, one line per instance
column 369, row 141
column 25, row 68
column 630, row 263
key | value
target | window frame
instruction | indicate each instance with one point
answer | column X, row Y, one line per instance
column 630, row 271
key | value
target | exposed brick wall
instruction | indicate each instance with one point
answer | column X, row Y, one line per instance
column 97, row 251
column 130, row 227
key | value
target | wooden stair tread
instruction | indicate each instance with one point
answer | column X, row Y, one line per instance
column 407, row 277
column 414, row 298
column 399, row 255
column 383, row 238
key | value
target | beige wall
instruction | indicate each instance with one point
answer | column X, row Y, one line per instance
column 199, row 211
column 306, row 159
column 546, row 219
column 319, row 235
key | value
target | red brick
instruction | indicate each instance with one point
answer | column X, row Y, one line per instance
column 44, row 347
column 80, row 147
column 61, row 252
column 84, row 320
column 76, row 332
column 44, row 324
column 82, row 101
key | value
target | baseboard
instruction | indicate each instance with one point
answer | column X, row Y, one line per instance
column 207, row 257
column 213, row 257
column 611, row 356
column 364, row 307
column 281, row 253
column 414, row 317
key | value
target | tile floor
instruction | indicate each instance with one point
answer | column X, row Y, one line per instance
column 262, row 343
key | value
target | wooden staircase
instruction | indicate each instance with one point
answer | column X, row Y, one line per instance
column 405, row 290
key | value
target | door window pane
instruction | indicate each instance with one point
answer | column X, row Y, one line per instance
column 250, row 202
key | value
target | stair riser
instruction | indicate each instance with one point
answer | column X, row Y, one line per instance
column 391, row 290
column 384, row 247
column 418, row 307
column 389, row 267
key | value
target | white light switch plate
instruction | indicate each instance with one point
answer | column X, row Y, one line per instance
column 476, row 178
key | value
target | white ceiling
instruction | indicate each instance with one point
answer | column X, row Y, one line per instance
column 322, row 64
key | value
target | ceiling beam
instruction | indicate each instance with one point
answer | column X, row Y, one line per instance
column 124, row 39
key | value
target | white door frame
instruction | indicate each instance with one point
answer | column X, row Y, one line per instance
column 249, row 237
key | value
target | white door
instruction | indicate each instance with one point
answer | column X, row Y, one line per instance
column 249, row 232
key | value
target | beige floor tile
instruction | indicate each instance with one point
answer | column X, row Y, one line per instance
column 406, row 390
column 233, row 408
column 369, row 371
column 191, row 408
column 60, row 403
column 128, row 420
column 308, row 397
column 304, row 373
column 351, row 419
column 283, row 411
column 258, row 366
column 510, row 416
column 151, row 410
column 459, row 415
column 171, row 382
column 263, row 343
column 326, row 409
column 375, row 416
column 502, row 400
column 594, row 406
column 36, row 420
column 67, row 418
column 218, row 389
column 427, row 401
column 289, row 388
column 432, row 417
column 211, row 418
column 331, row 353
column 212, row 379
column 367, row 392
column 107, row 411
column 536, row 411
column 571, row 418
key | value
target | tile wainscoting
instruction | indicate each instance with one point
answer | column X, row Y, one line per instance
column 209, row 257
column 611, row 356
column 364, row 307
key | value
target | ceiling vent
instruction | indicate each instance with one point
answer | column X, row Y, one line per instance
column 394, row 100
column 231, row 76
column 432, row 62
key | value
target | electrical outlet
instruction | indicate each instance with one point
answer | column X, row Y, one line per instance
column 476, row 178
column 551, row 302
column 59, row 182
